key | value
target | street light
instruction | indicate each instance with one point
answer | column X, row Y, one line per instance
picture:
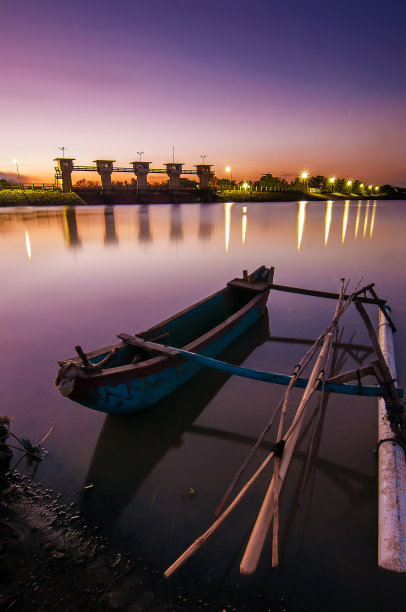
column 228, row 169
column 332, row 180
column 203, row 157
column 304, row 176
column 63, row 149
column 349, row 183
column 18, row 172
column 140, row 153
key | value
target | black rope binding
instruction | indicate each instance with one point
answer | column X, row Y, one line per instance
column 278, row 448
column 359, row 382
column 399, row 441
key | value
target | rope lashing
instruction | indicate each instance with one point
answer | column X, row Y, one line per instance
column 278, row 448
column 399, row 441
column 359, row 382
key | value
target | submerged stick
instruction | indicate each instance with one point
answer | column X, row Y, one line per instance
column 203, row 538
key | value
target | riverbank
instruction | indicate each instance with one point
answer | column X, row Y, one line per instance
column 19, row 197
column 289, row 196
column 50, row 560
column 26, row 197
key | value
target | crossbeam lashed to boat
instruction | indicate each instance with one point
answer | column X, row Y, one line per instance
column 269, row 377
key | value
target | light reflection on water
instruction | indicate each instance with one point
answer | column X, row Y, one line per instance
column 79, row 276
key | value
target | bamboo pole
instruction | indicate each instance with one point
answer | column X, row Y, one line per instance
column 391, row 475
column 261, row 527
column 277, row 484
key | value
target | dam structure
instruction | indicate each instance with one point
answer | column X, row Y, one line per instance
column 140, row 191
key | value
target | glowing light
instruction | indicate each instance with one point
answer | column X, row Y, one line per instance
column 362, row 185
column 227, row 221
column 345, row 219
column 329, row 211
column 376, row 188
column 332, row 179
column 228, row 169
column 349, row 183
column 244, row 209
column 245, row 185
column 244, row 228
column 28, row 244
column 358, row 217
column 304, row 175
column 301, row 216
column 369, row 186
column 366, row 219
column 371, row 229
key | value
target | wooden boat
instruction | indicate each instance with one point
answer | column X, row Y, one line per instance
column 126, row 377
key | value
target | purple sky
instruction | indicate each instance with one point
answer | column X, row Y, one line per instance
column 260, row 85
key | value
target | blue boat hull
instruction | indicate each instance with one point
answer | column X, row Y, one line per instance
column 123, row 388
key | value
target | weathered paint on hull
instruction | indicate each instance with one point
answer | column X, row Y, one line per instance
column 138, row 394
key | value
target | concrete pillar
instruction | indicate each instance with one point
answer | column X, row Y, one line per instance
column 174, row 170
column 205, row 175
column 141, row 169
column 65, row 167
column 105, row 169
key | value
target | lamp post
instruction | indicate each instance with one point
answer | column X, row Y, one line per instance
column 18, row 172
column 203, row 157
column 228, row 169
column 63, row 149
column 140, row 153
column 349, row 183
column 332, row 180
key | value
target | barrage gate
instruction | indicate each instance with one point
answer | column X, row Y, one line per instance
column 141, row 169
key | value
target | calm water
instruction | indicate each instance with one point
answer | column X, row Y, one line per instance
column 81, row 276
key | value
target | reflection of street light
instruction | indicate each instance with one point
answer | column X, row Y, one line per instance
column 18, row 172
column 140, row 153
column 228, row 169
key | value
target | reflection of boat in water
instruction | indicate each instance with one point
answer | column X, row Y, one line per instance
column 127, row 377
column 128, row 449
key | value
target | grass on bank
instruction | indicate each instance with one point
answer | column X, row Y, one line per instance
column 21, row 197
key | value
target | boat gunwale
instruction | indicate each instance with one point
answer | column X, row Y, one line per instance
column 161, row 362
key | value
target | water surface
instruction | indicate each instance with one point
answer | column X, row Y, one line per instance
column 80, row 276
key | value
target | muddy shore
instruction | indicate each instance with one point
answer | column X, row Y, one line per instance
column 51, row 560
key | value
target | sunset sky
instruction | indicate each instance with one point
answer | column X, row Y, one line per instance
column 260, row 85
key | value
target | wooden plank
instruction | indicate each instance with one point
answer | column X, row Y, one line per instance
column 239, row 283
column 383, row 309
column 392, row 392
column 324, row 294
column 351, row 375
column 149, row 346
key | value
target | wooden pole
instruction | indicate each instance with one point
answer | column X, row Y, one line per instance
column 391, row 475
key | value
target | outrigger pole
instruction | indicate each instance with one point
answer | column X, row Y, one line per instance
column 391, row 474
column 270, row 377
